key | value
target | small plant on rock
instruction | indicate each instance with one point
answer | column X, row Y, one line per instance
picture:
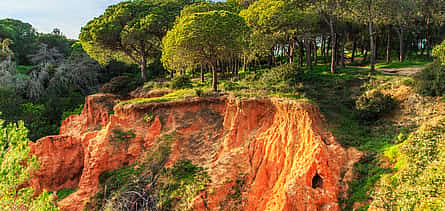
column 120, row 137
column 148, row 118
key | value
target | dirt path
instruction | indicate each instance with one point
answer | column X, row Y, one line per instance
column 405, row 71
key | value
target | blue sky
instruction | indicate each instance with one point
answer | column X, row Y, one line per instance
column 45, row 15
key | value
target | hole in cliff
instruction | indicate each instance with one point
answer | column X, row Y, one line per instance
column 317, row 181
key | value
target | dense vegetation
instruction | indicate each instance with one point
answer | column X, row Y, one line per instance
column 15, row 171
column 338, row 54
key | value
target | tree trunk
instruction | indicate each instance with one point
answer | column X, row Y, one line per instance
column 291, row 51
column 337, row 45
column 334, row 47
column 401, row 47
column 143, row 69
column 307, row 43
column 342, row 56
column 202, row 74
column 388, row 46
column 244, row 63
column 371, row 39
column 300, row 56
column 354, row 49
column 214, row 78
column 327, row 50
column 322, row 45
column 428, row 37
column 315, row 52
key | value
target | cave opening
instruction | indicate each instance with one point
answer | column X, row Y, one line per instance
column 317, row 181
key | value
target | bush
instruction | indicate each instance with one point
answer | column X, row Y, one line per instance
column 180, row 82
column 199, row 92
column 431, row 81
column 374, row 104
column 121, row 138
column 439, row 52
column 121, row 85
column 418, row 184
column 287, row 73
column 75, row 111
column 230, row 86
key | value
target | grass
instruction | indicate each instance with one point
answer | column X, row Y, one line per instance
column 61, row 194
column 176, row 95
column 403, row 64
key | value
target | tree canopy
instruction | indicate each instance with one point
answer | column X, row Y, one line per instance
column 130, row 31
column 204, row 38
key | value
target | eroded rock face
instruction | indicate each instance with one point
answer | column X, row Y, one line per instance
column 279, row 149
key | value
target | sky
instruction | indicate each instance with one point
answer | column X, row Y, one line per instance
column 45, row 15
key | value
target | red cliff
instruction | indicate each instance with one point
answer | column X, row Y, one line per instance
column 280, row 148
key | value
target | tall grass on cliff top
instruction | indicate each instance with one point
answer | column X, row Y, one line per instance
column 15, row 171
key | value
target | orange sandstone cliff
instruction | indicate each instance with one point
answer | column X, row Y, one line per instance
column 282, row 149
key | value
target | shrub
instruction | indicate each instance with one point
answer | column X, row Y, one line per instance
column 230, row 86
column 121, row 85
column 199, row 92
column 120, row 137
column 75, row 111
column 373, row 104
column 431, row 80
column 439, row 52
column 180, row 82
column 419, row 184
column 148, row 118
column 287, row 73
column 15, row 170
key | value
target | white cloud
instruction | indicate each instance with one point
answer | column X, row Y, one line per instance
column 45, row 15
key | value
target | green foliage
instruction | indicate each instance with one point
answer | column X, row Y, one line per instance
column 404, row 64
column 23, row 36
column 273, row 21
column 206, row 6
column 439, row 52
column 75, row 111
column 418, row 184
column 287, row 74
column 56, row 41
column 179, row 185
column 235, row 200
column 149, row 118
column 203, row 39
column 431, row 80
column 15, row 168
column 176, row 95
column 130, row 31
column 120, row 138
column 230, row 86
column 180, row 82
column 367, row 174
column 61, row 194
column 121, row 85
column 199, row 92
column 374, row 104
column 147, row 184
column 34, row 116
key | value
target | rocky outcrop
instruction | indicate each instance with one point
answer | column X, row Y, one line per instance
column 279, row 149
